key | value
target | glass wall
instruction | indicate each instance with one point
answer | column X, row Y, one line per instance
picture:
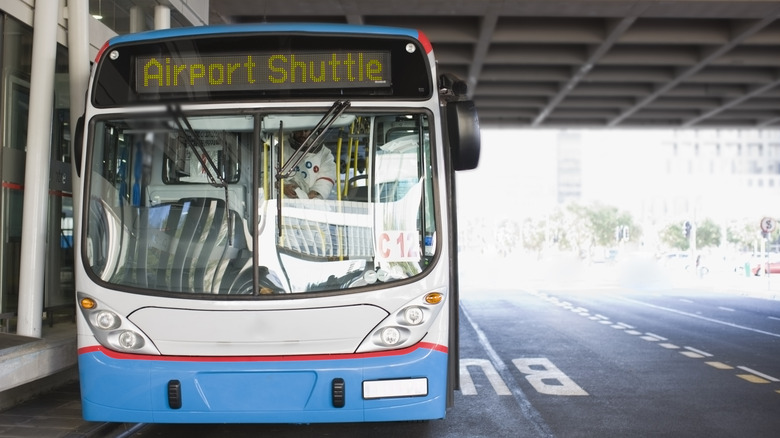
column 15, row 89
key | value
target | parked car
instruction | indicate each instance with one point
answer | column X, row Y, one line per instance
column 772, row 267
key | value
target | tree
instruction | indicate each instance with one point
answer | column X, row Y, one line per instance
column 601, row 222
column 745, row 234
column 673, row 236
column 508, row 236
column 707, row 234
column 534, row 236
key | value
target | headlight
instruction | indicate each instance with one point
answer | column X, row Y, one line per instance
column 130, row 340
column 106, row 320
column 413, row 315
column 390, row 336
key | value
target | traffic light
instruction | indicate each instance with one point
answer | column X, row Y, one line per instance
column 622, row 233
column 687, row 229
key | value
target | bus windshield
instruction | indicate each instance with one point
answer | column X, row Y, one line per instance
column 197, row 203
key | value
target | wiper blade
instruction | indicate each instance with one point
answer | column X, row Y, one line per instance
column 315, row 138
column 197, row 147
column 207, row 163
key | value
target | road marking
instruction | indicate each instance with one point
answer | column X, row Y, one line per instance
column 691, row 354
column 669, row 346
column 539, row 371
column 697, row 351
column 727, row 309
column 624, row 325
column 774, row 317
column 658, row 337
column 759, row 374
column 719, row 365
column 704, row 318
column 632, row 332
column 526, row 408
column 752, row 378
column 686, row 301
column 467, row 384
column 649, row 338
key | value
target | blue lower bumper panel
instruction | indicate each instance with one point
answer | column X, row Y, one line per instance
column 408, row 384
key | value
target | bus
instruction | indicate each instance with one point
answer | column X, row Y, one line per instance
column 214, row 283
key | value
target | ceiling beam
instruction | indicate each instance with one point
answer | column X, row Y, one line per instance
column 731, row 103
column 740, row 34
column 614, row 34
column 486, row 29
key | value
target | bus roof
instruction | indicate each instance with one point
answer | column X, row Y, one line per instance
column 233, row 29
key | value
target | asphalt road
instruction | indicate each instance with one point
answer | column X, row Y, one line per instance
column 610, row 362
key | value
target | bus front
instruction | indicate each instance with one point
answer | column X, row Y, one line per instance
column 265, row 230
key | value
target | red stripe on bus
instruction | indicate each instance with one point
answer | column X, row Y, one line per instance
column 426, row 43
column 311, row 357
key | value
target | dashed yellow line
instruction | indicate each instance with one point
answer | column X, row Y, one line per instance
column 719, row 365
column 691, row 354
column 752, row 378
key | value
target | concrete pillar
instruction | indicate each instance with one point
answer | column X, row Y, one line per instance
column 36, row 180
column 162, row 17
column 136, row 19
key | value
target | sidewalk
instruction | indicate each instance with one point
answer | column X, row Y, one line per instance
column 55, row 414
column 29, row 369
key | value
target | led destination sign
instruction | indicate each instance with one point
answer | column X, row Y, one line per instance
column 262, row 71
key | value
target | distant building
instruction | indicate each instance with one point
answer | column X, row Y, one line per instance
column 724, row 174
column 569, row 182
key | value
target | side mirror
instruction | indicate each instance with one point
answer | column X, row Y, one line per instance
column 78, row 144
column 464, row 135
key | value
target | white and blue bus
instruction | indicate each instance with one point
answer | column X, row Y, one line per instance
column 207, row 291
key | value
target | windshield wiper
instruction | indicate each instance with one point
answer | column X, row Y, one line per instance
column 314, row 138
column 193, row 140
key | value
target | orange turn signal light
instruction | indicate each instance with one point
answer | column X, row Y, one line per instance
column 434, row 298
column 88, row 303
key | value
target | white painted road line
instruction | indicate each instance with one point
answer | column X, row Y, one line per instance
column 774, row 317
column 704, row 318
column 467, row 384
column 703, row 353
column 691, row 354
column 659, row 337
column 759, row 374
column 541, row 428
column 727, row 309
